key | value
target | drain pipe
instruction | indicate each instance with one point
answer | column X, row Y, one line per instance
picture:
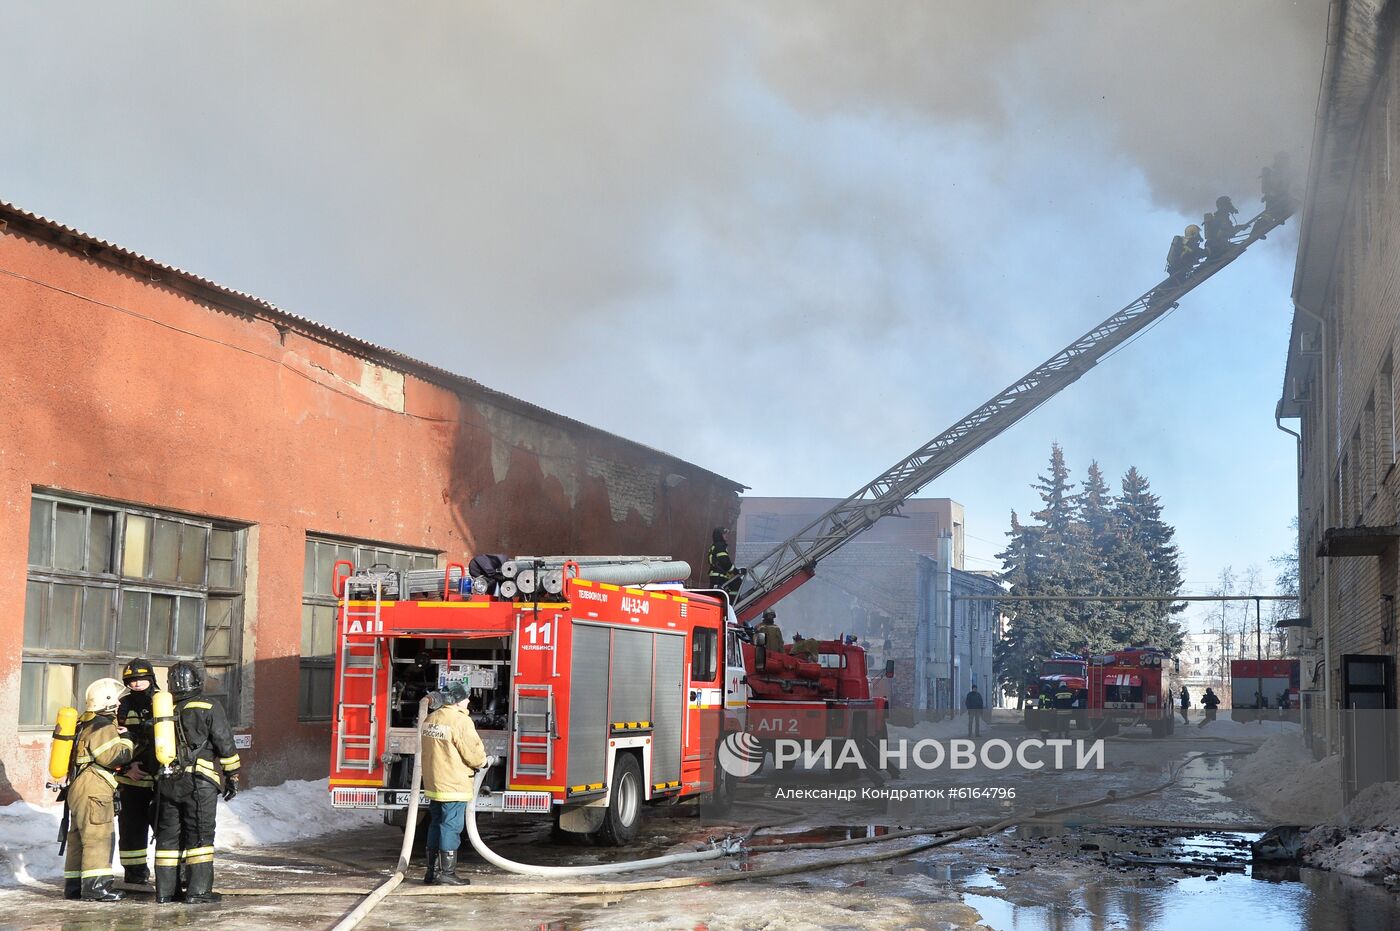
column 1327, row 446
column 721, row 848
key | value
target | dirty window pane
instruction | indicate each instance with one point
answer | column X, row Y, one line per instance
column 165, row 550
column 69, row 537
column 221, row 559
column 162, row 614
column 221, row 543
column 325, row 626
column 65, row 617
column 308, row 568
column 31, row 694
column 58, row 691
column 99, row 555
column 192, row 547
column 131, row 635
column 187, row 631
column 97, row 618
column 218, row 627
column 40, row 521
column 36, row 597
column 216, row 642
column 88, row 674
column 325, row 561
column 136, row 537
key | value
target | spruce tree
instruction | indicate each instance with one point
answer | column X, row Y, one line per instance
column 1150, row 565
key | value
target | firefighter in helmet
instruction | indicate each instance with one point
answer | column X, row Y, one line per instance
column 770, row 635
column 1220, row 226
column 99, row 750
column 452, row 752
column 723, row 574
column 1185, row 252
column 207, row 766
column 136, row 785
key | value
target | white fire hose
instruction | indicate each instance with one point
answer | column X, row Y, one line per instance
column 721, row 848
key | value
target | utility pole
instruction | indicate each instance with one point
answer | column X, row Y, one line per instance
column 1258, row 661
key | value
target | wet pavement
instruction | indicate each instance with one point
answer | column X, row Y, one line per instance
column 1098, row 868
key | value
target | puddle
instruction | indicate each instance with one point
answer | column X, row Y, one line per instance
column 1178, row 899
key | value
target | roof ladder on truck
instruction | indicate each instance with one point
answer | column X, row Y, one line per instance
column 356, row 720
column 792, row 562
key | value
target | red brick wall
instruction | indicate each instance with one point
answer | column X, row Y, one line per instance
column 116, row 386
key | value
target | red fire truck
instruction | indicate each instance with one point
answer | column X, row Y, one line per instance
column 1060, row 669
column 1130, row 686
column 599, row 699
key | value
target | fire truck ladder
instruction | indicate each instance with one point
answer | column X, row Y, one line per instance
column 360, row 658
column 792, row 562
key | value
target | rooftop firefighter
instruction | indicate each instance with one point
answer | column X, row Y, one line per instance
column 452, row 753
column 1219, row 227
column 1185, row 252
column 136, row 785
column 99, row 751
column 188, row 794
column 723, row 574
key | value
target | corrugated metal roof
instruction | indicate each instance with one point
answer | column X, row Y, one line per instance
column 17, row 219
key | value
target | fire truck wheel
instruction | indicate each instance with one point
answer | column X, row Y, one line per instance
column 624, row 816
column 718, row 801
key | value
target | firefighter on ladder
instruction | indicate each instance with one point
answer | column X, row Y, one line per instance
column 99, row 750
column 136, row 785
column 723, row 574
column 206, row 766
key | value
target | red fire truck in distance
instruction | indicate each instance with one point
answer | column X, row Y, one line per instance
column 1061, row 668
column 598, row 700
column 1130, row 686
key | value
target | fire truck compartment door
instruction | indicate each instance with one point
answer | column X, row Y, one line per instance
column 668, row 707
column 588, row 705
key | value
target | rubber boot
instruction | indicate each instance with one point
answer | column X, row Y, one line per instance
column 201, row 887
column 430, row 874
column 72, row 888
column 447, row 870
column 167, row 884
column 137, row 876
column 99, row 889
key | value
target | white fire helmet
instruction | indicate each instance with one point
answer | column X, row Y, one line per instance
column 104, row 695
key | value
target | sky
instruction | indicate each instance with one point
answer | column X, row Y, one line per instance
column 788, row 242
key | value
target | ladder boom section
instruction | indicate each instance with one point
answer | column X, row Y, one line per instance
column 795, row 559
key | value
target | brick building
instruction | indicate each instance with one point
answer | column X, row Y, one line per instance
column 1340, row 386
column 181, row 464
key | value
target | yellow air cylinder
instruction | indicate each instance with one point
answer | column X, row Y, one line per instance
column 163, row 718
column 61, row 752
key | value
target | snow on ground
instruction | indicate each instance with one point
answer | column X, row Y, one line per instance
column 1365, row 840
column 265, row 815
column 1284, row 783
column 1226, row 726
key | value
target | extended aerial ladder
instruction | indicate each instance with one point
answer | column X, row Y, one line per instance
column 794, row 561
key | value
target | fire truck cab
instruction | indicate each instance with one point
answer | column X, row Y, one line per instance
column 597, row 700
column 1131, row 686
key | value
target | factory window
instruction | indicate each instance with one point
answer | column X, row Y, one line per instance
column 107, row 583
column 318, row 611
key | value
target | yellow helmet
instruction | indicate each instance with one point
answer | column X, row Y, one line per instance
column 103, row 695
column 1192, row 230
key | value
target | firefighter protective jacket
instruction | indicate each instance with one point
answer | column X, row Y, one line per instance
column 206, row 740
column 134, row 714
column 452, row 752
column 100, row 749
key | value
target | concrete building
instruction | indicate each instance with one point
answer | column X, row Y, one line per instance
column 1339, row 385
column 181, row 464
column 899, row 602
column 1205, row 661
column 918, row 525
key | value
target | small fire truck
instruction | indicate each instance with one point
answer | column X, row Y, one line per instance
column 598, row 700
column 1060, row 669
column 1130, row 686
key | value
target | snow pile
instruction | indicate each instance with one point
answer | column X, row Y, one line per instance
column 265, row 815
column 29, row 842
column 1225, row 726
column 1365, row 841
column 1283, row 782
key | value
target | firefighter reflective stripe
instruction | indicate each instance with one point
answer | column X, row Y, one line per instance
column 132, row 856
column 142, row 783
column 167, row 858
column 198, row 855
column 197, row 704
column 98, row 751
column 207, row 769
column 230, row 762
column 449, row 796
column 88, row 874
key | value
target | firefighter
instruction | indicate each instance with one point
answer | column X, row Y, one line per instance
column 1064, row 705
column 136, row 785
column 452, row 752
column 99, row 750
column 1044, row 714
column 723, row 574
column 805, row 648
column 1210, row 701
column 1220, row 226
column 1185, row 251
column 206, row 766
column 770, row 635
